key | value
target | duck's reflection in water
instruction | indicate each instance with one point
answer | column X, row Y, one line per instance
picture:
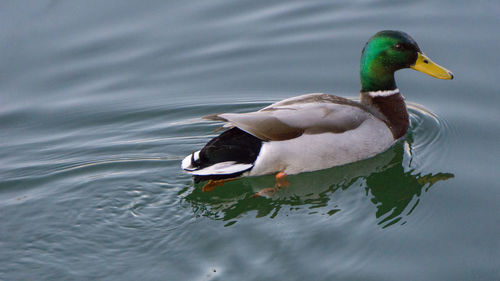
column 384, row 180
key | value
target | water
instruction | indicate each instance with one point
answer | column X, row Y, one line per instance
column 101, row 101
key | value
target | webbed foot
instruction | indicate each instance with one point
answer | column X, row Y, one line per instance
column 281, row 182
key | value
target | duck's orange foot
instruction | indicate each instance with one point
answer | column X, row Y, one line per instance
column 211, row 184
column 281, row 182
column 266, row 192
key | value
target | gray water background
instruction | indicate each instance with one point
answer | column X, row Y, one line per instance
column 99, row 102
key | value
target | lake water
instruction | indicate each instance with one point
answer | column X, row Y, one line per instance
column 99, row 102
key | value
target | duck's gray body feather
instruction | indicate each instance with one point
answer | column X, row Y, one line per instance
column 312, row 132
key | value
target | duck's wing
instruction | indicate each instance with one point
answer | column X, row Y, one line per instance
column 306, row 114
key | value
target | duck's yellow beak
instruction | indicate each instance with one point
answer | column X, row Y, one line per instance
column 425, row 65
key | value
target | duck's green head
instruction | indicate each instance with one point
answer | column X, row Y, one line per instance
column 388, row 51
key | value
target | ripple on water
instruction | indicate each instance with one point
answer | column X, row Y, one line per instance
column 428, row 135
column 136, row 197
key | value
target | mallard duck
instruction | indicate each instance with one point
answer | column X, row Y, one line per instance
column 318, row 131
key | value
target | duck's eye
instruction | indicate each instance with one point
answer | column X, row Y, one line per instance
column 398, row 46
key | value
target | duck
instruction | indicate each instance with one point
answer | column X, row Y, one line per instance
column 317, row 131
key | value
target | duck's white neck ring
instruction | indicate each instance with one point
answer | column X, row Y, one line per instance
column 384, row 93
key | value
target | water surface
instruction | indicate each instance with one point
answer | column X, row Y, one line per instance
column 101, row 101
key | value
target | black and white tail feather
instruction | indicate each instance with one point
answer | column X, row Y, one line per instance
column 227, row 156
